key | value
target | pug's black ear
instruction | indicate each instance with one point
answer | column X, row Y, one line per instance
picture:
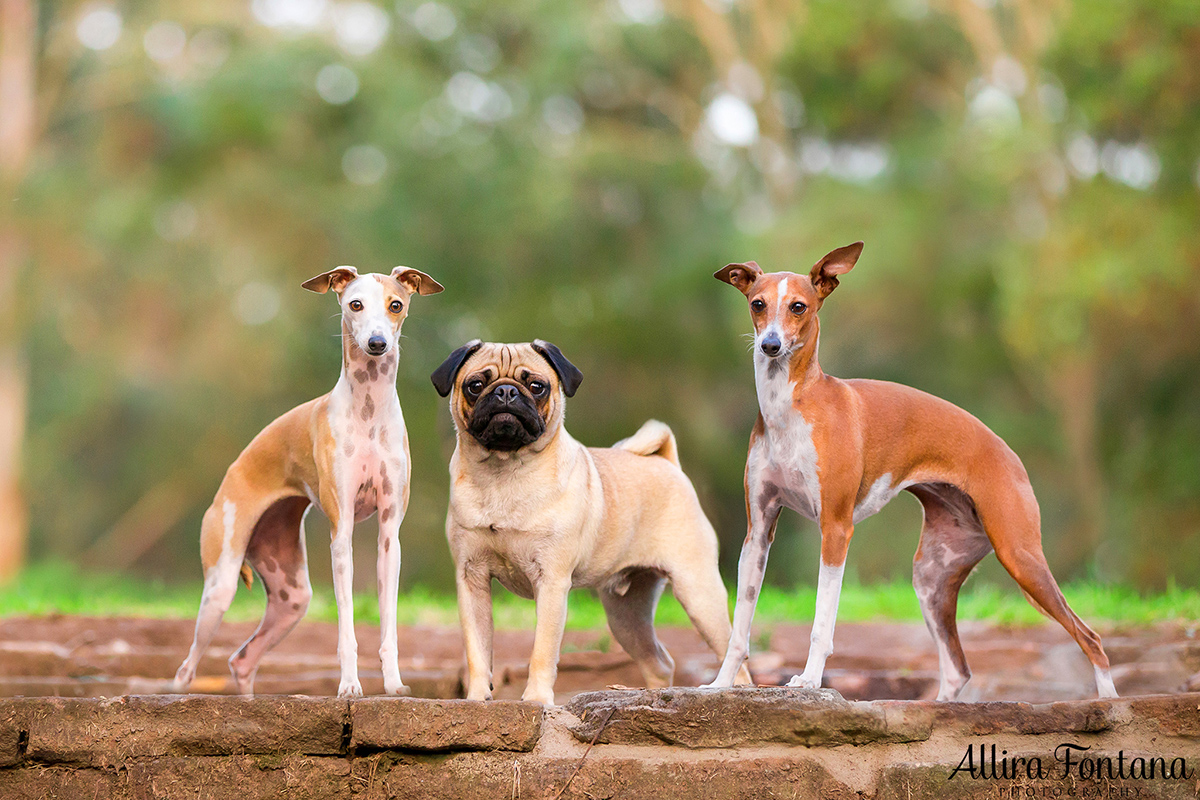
column 443, row 377
column 568, row 373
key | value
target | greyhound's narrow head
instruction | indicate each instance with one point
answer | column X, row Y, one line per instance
column 784, row 305
column 373, row 306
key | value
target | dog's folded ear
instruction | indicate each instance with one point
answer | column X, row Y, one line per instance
column 417, row 281
column 836, row 262
column 568, row 374
column 443, row 377
column 739, row 276
column 335, row 279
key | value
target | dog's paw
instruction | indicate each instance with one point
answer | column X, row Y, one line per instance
column 350, row 689
column 543, row 696
column 399, row 690
column 805, row 681
column 183, row 679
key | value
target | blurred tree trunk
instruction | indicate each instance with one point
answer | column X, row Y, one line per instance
column 18, row 45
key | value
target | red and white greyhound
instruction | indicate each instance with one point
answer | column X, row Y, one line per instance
column 837, row 451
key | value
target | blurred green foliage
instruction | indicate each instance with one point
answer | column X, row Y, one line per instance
column 1025, row 180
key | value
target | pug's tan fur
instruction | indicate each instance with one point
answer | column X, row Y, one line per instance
column 554, row 514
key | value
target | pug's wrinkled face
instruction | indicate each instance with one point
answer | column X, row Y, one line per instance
column 507, row 396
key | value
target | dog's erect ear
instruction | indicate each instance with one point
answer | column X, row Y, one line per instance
column 443, row 377
column 739, row 276
column 417, row 281
column 568, row 373
column 335, row 279
column 837, row 262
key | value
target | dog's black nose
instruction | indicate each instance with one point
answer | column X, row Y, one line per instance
column 771, row 345
column 376, row 345
column 506, row 393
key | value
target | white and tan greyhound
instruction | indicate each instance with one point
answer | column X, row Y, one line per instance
column 837, row 451
column 346, row 452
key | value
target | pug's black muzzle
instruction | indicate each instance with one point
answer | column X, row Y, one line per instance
column 505, row 419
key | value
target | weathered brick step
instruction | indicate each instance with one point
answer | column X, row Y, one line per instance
column 693, row 743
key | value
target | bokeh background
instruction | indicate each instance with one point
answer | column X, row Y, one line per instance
column 1025, row 174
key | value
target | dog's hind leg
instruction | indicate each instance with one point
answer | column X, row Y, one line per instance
column 702, row 595
column 223, row 536
column 1012, row 522
column 631, row 620
column 952, row 543
column 278, row 554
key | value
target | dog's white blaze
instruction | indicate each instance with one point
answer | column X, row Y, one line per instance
column 373, row 320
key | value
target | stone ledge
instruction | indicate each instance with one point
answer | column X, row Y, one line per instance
column 704, row 718
column 107, row 732
column 685, row 742
column 444, row 725
column 698, row 718
column 982, row 719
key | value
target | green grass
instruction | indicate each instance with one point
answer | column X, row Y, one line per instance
column 55, row 588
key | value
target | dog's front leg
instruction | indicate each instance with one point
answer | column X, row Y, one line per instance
column 551, row 600
column 343, row 592
column 763, row 506
column 388, row 573
column 475, row 613
column 835, row 540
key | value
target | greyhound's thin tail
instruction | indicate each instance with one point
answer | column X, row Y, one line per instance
column 654, row 438
column 247, row 575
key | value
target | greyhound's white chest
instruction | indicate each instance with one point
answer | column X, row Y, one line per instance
column 786, row 455
column 372, row 454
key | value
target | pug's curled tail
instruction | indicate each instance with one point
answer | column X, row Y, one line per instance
column 654, row 438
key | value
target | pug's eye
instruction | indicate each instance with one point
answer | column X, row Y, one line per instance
column 798, row 308
column 356, row 305
column 757, row 306
column 538, row 388
column 473, row 387
column 396, row 306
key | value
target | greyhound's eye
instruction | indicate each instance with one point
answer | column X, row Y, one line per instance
column 356, row 305
column 538, row 388
column 473, row 387
column 757, row 305
column 798, row 308
column 396, row 306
